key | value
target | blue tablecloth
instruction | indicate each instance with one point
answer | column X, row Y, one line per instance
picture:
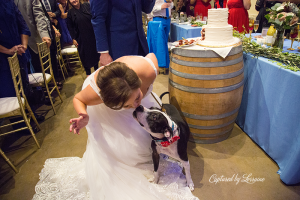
column 186, row 31
column 270, row 113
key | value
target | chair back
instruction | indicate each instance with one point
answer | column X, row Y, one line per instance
column 60, row 58
column 16, row 76
column 58, row 45
column 45, row 59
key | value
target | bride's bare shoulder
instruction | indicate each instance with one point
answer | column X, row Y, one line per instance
column 140, row 65
column 153, row 58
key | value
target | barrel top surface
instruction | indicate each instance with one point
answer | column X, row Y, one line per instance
column 204, row 52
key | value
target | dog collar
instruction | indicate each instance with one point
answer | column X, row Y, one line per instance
column 173, row 126
column 165, row 142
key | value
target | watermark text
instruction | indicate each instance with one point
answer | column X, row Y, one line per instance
column 246, row 178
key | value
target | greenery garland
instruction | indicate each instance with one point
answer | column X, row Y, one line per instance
column 199, row 24
column 285, row 60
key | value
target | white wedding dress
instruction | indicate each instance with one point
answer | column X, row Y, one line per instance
column 117, row 163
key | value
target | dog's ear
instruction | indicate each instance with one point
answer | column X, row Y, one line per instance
column 155, row 108
column 168, row 132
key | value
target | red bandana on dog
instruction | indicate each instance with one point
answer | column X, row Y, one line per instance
column 167, row 142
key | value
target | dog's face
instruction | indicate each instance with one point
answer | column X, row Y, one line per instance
column 154, row 121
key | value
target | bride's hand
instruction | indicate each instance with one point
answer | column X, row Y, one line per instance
column 78, row 123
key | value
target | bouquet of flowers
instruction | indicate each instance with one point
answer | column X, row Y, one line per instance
column 283, row 15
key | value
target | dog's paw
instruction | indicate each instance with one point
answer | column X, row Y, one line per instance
column 154, row 180
column 191, row 186
column 151, row 179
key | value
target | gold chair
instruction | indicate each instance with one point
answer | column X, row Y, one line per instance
column 16, row 106
column 43, row 79
column 71, row 55
column 60, row 58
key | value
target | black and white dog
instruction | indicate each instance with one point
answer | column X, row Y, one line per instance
column 170, row 134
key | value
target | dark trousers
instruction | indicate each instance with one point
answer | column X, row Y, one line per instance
column 88, row 70
column 35, row 60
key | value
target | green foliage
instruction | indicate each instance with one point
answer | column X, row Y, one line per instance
column 277, row 5
column 197, row 23
column 285, row 60
column 283, row 15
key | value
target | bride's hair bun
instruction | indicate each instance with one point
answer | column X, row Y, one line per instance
column 116, row 82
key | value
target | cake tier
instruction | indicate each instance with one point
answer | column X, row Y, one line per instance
column 216, row 34
column 217, row 17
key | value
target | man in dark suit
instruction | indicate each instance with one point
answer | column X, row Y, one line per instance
column 118, row 27
column 52, row 8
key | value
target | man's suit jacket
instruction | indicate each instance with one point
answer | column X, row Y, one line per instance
column 54, row 8
column 118, row 26
column 34, row 17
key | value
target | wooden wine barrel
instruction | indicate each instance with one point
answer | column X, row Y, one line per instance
column 207, row 90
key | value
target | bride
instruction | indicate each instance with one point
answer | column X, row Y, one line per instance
column 117, row 163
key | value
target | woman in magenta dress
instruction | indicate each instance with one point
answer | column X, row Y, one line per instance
column 201, row 7
column 238, row 14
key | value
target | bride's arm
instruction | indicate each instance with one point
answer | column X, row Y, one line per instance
column 85, row 97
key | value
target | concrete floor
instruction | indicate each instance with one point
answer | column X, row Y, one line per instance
column 236, row 156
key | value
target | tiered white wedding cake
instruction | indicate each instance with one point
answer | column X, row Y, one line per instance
column 218, row 32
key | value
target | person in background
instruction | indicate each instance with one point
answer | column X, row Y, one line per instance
column 162, row 13
column 34, row 17
column 238, row 14
column 180, row 7
column 81, row 30
column 41, row 31
column 53, row 12
column 52, row 8
column 201, row 8
column 119, row 29
column 66, row 38
column 14, row 34
column 261, row 6
column 53, row 32
column 190, row 7
column 220, row 3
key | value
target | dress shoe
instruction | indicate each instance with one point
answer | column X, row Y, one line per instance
column 47, row 101
column 40, row 118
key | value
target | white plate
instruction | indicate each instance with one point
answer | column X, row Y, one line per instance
column 184, row 23
column 203, row 22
